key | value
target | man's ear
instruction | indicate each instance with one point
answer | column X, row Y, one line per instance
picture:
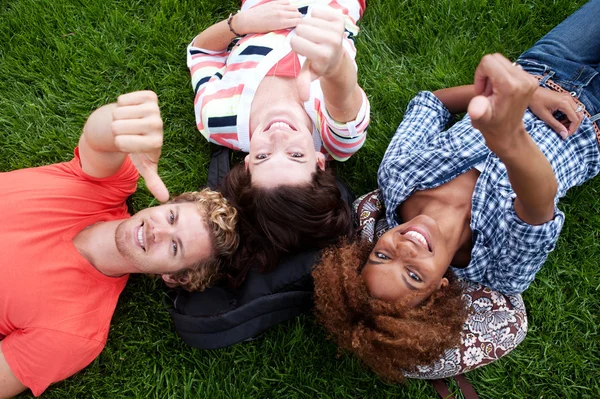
column 320, row 161
column 172, row 283
column 246, row 162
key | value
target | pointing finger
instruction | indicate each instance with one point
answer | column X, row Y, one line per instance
column 155, row 185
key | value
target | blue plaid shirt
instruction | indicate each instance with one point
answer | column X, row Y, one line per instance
column 507, row 252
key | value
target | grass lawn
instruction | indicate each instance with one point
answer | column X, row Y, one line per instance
column 61, row 59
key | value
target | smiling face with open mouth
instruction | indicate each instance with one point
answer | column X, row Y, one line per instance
column 282, row 150
column 408, row 262
column 164, row 239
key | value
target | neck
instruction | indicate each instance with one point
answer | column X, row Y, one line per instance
column 97, row 245
column 454, row 224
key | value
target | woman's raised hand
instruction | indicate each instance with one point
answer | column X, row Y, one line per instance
column 267, row 17
column 545, row 102
column 319, row 38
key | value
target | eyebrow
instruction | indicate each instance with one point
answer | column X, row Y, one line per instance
column 291, row 159
column 179, row 243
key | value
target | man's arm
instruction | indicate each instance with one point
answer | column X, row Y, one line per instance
column 9, row 384
column 133, row 126
column 503, row 93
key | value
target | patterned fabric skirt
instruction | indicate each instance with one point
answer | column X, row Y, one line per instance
column 496, row 325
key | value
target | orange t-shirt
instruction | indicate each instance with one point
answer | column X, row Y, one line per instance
column 55, row 307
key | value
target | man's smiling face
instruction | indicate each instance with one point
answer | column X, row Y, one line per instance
column 164, row 239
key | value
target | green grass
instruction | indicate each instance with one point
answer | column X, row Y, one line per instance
column 59, row 60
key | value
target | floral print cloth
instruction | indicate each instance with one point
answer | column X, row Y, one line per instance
column 496, row 325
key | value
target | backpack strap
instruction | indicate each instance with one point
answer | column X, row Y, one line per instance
column 464, row 386
column 218, row 167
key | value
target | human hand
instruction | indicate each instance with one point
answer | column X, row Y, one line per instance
column 545, row 102
column 138, row 130
column 267, row 17
column 319, row 38
column 503, row 92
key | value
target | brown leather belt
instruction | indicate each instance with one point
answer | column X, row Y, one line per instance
column 556, row 87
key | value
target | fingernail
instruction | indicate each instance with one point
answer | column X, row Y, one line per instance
column 563, row 134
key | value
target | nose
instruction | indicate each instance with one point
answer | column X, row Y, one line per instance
column 161, row 231
column 405, row 247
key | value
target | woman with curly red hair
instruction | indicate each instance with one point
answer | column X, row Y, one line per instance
column 478, row 200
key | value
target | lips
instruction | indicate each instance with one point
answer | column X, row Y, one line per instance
column 418, row 236
column 140, row 236
column 280, row 123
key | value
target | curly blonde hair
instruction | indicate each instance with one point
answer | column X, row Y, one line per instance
column 388, row 337
column 221, row 219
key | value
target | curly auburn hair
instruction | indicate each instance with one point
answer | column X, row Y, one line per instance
column 221, row 222
column 283, row 220
column 388, row 337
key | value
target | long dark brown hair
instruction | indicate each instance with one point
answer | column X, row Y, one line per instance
column 279, row 221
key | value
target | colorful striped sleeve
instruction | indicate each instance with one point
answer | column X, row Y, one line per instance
column 206, row 67
column 342, row 140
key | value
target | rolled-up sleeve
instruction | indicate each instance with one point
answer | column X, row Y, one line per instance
column 425, row 117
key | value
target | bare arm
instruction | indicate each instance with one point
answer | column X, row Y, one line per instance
column 343, row 97
column 9, row 384
column 457, row 98
column 504, row 91
column 543, row 104
column 132, row 126
column 216, row 37
column 264, row 18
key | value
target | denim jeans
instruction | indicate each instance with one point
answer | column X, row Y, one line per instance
column 570, row 55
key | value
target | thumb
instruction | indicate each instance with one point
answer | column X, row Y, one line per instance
column 303, row 80
column 480, row 109
column 155, row 185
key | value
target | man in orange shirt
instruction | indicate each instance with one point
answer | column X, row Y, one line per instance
column 67, row 243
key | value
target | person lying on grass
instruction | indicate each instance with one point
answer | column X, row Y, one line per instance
column 494, row 326
column 68, row 243
column 480, row 197
column 286, row 92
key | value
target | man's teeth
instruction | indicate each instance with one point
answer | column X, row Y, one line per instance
column 280, row 124
column 419, row 237
column 140, row 237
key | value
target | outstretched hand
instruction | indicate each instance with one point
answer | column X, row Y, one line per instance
column 503, row 92
column 319, row 38
column 138, row 130
column 267, row 17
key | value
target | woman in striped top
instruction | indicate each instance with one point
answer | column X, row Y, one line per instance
column 286, row 92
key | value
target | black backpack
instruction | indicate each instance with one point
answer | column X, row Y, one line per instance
column 219, row 316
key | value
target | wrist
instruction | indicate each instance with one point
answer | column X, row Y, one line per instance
column 235, row 22
column 518, row 145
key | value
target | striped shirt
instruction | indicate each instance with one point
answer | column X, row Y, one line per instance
column 225, row 82
column 507, row 252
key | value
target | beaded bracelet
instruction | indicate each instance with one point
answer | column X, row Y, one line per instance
column 229, row 24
